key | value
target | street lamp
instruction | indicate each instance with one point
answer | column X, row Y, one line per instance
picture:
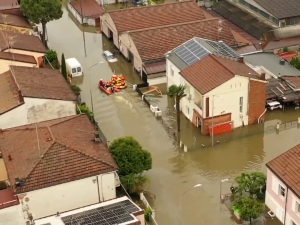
column 195, row 186
column 91, row 95
column 221, row 182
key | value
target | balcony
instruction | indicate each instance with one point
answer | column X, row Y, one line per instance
column 198, row 107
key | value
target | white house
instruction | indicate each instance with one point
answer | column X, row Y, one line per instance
column 86, row 11
column 283, row 192
column 222, row 91
column 31, row 95
column 56, row 166
column 121, row 211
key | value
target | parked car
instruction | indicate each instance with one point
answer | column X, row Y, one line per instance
column 109, row 56
column 74, row 68
column 274, row 105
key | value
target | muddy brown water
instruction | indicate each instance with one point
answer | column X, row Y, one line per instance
column 174, row 172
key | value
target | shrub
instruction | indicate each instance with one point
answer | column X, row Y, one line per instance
column 86, row 110
column 51, row 55
column 148, row 213
column 76, row 90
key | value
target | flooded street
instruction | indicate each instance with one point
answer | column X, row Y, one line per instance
column 174, row 172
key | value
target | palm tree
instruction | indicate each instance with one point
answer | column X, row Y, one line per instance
column 177, row 93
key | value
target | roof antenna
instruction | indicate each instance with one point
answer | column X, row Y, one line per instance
column 38, row 140
column 219, row 31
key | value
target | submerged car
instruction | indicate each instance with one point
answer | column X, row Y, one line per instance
column 109, row 56
column 274, row 105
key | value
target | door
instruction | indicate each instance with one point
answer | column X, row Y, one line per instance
column 97, row 22
column 280, row 214
column 198, row 122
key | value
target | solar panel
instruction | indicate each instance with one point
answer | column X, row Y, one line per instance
column 223, row 49
column 191, row 52
column 113, row 214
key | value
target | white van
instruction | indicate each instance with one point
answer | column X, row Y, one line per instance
column 73, row 67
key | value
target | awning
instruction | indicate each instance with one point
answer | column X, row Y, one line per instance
column 155, row 67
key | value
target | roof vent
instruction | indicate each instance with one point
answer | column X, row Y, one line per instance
column 220, row 41
column 17, row 180
column 282, row 62
column 97, row 137
column 0, row 155
column 9, row 158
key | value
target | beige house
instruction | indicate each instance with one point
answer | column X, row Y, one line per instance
column 14, row 23
column 31, row 95
column 22, row 48
column 115, row 23
column 8, row 59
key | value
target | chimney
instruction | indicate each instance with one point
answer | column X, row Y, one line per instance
column 263, row 76
column 17, row 180
column 97, row 137
column 241, row 59
column 282, row 62
column 9, row 158
column 21, row 99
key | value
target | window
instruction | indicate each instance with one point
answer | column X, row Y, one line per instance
column 73, row 70
column 281, row 190
column 241, row 104
column 171, row 71
column 188, row 110
column 297, row 207
column 78, row 69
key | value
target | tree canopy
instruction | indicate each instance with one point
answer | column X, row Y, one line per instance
column 42, row 11
column 249, row 208
column 295, row 62
column 251, row 182
column 130, row 156
column 177, row 93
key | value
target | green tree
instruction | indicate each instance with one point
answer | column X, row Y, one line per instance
column 42, row 12
column 63, row 67
column 251, row 182
column 86, row 110
column 295, row 62
column 177, row 93
column 134, row 183
column 249, row 208
column 130, row 156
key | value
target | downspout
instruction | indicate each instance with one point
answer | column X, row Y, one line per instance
column 287, row 191
column 99, row 198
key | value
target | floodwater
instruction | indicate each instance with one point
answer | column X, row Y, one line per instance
column 174, row 171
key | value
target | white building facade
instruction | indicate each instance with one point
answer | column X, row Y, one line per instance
column 35, row 110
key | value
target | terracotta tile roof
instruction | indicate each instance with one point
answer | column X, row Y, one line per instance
column 281, row 9
column 13, row 20
column 21, row 41
column 294, row 81
column 212, row 71
column 53, row 152
column 42, row 83
column 9, row 4
column 286, row 167
column 90, row 8
column 286, row 42
column 155, row 67
column 154, row 43
column 9, row 97
column 17, row 57
column 158, row 15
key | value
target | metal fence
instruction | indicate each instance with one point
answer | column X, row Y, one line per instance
column 147, row 205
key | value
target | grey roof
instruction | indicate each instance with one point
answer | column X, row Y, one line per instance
column 197, row 49
column 271, row 61
column 281, row 9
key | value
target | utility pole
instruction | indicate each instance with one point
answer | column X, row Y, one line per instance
column 83, row 34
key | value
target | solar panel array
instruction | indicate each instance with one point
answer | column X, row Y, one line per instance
column 191, row 52
column 113, row 214
column 223, row 49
